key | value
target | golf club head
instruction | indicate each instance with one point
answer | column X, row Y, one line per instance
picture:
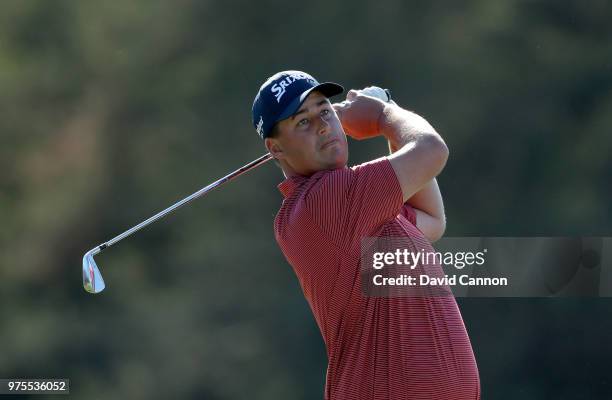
column 92, row 279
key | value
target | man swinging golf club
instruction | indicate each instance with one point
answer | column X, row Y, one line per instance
column 377, row 347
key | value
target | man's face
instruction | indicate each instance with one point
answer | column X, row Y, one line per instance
column 311, row 140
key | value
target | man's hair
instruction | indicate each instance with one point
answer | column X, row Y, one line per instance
column 274, row 132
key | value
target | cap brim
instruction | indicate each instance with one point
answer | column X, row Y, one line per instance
column 327, row 89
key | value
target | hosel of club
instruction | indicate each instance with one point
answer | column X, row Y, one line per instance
column 98, row 249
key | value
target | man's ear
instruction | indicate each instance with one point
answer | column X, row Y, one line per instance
column 274, row 148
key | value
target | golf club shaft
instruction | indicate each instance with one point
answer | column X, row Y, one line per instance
column 201, row 192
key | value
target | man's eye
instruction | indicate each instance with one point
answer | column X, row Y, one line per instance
column 303, row 122
column 325, row 112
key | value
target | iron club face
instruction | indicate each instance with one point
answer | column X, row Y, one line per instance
column 92, row 278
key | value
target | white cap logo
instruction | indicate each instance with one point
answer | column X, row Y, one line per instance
column 279, row 88
column 259, row 127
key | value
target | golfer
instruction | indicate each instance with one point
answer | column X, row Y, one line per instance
column 377, row 347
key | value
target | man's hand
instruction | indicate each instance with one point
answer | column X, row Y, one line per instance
column 360, row 115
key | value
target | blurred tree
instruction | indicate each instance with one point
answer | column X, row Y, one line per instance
column 111, row 111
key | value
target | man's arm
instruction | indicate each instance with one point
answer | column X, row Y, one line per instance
column 429, row 208
column 419, row 153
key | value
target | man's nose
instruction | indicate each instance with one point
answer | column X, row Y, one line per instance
column 323, row 126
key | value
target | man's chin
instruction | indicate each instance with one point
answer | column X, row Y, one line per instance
column 338, row 157
column 339, row 162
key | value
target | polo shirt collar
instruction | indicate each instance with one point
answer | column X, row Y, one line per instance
column 289, row 185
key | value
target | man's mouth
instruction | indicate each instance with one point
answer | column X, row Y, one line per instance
column 329, row 143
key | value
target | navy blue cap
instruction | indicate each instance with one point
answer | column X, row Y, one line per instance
column 281, row 96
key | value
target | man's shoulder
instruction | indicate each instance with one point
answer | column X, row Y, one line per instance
column 329, row 179
column 341, row 179
column 321, row 181
column 376, row 164
column 313, row 193
column 325, row 185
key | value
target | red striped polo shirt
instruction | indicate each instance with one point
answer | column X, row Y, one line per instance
column 377, row 348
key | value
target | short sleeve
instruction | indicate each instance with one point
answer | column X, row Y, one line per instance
column 409, row 213
column 350, row 203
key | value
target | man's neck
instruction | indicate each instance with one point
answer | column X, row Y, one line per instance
column 291, row 173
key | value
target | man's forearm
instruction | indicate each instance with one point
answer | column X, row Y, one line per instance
column 429, row 198
column 428, row 202
column 419, row 152
column 402, row 127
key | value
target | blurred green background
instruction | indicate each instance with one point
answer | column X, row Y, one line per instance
column 111, row 111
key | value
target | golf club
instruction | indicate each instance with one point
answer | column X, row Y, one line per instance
column 92, row 279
